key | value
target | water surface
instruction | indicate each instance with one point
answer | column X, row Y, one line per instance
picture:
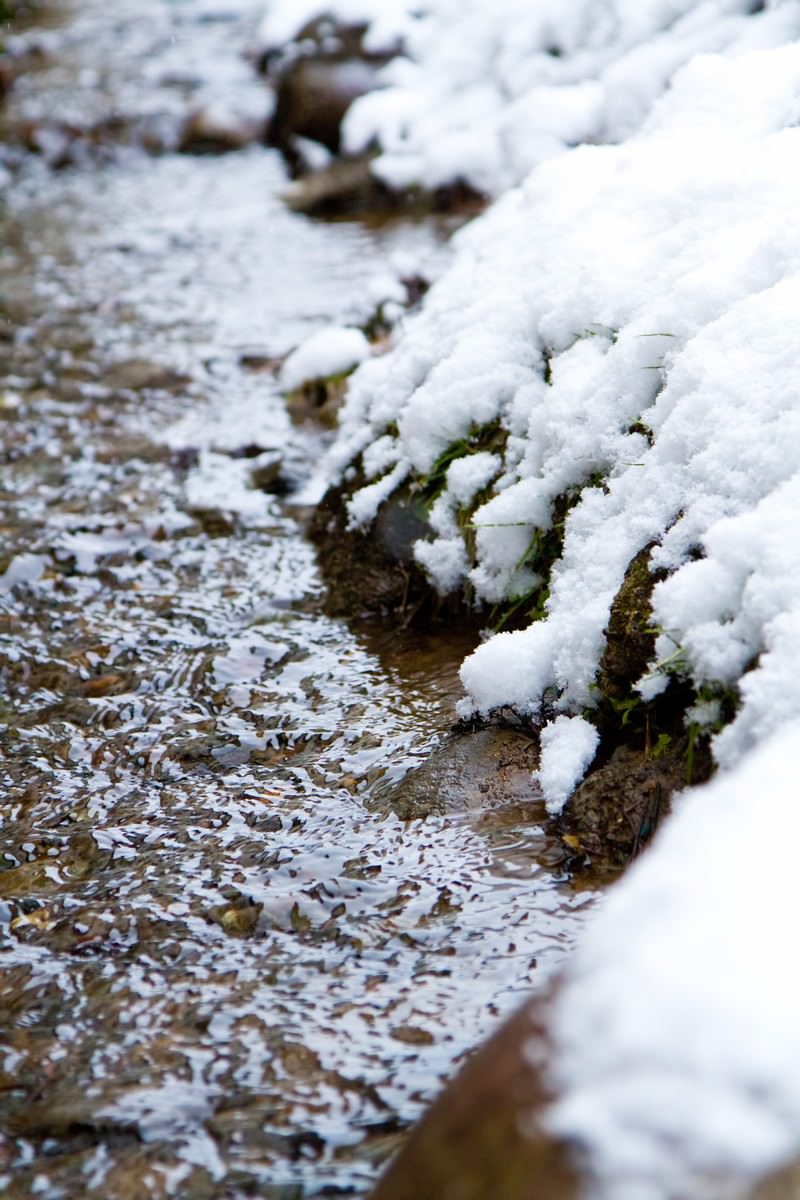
column 226, row 968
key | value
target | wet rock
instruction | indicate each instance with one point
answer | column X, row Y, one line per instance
column 327, row 68
column 214, row 131
column 137, row 374
column 470, row 771
column 345, row 187
column 213, row 521
column 266, row 472
column 318, row 400
column 196, row 748
column 61, row 1114
column 260, row 360
column 316, row 80
column 412, row 1035
column 483, row 1138
column 239, row 920
column 313, row 96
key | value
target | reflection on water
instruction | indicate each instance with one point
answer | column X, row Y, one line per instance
column 226, row 969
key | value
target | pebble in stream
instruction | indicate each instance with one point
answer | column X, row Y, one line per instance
column 227, row 966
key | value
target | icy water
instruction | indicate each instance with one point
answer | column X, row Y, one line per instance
column 227, row 967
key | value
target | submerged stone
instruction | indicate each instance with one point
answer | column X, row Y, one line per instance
column 470, row 771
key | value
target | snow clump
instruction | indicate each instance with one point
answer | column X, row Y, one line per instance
column 331, row 351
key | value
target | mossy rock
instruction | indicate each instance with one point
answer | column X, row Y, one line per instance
column 318, row 400
column 630, row 638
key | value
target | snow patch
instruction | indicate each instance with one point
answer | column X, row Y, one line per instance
column 627, row 320
column 331, row 351
column 486, row 92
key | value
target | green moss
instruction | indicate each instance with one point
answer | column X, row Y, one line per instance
column 540, row 556
column 491, row 437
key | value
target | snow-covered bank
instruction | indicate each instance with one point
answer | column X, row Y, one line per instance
column 610, row 367
column 618, row 337
column 484, row 92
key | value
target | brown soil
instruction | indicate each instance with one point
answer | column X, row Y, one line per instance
column 614, row 813
column 371, row 571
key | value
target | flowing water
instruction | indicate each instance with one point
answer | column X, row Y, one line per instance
column 227, row 966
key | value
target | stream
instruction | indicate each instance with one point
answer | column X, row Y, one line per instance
column 230, row 964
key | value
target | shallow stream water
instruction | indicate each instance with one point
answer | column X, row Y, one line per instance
column 228, row 967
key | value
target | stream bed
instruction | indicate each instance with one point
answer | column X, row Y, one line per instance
column 230, row 964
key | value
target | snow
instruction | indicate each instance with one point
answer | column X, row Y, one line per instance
column 610, row 363
column 628, row 318
column 568, row 745
column 286, row 19
column 484, row 92
column 330, row 351
column 676, row 1036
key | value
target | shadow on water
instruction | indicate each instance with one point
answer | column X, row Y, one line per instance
column 238, row 956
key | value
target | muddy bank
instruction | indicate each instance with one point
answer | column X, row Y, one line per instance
column 483, row 1135
column 371, row 572
column 486, row 1134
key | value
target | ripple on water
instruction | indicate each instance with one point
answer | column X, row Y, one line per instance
column 227, row 964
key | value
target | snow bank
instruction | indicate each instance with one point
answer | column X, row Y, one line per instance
column 609, row 364
column 484, row 91
column 676, row 1035
column 618, row 338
